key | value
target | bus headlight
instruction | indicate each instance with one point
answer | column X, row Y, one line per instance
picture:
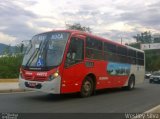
column 53, row 76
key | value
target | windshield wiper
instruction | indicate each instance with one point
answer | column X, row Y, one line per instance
column 45, row 52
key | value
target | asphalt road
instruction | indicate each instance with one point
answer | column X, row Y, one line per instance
column 144, row 97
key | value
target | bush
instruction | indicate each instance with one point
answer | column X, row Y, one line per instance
column 9, row 66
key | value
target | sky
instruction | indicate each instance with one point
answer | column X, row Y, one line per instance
column 111, row 19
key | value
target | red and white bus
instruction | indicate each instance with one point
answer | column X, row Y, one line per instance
column 68, row 61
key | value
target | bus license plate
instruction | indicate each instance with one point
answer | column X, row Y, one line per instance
column 32, row 84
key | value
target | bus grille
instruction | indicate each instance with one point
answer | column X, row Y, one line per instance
column 28, row 78
column 37, row 78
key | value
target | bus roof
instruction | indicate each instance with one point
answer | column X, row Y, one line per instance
column 104, row 39
column 74, row 32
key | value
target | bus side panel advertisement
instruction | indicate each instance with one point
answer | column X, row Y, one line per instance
column 119, row 69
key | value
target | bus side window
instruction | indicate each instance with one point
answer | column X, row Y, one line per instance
column 75, row 52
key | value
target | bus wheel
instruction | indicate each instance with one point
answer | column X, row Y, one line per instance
column 87, row 87
column 131, row 83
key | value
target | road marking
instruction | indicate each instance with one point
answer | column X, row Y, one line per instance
column 153, row 110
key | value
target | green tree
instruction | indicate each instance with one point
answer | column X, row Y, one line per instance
column 156, row 38
column 10, row 65
column 144, row 37
column 78, row 26
column 135, row 45
column 152, row 57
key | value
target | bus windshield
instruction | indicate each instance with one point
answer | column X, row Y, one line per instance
column 45, row 50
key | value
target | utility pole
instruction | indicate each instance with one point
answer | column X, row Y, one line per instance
column 121, row 40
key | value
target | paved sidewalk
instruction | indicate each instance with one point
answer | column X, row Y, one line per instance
column 8, row 87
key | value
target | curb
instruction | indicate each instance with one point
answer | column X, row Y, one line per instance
column 8, row 80
column 13, row 90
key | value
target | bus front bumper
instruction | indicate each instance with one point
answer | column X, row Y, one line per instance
column 46, row 86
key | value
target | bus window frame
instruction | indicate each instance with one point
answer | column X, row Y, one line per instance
column 68, row 46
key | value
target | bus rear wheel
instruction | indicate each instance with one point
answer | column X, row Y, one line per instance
column 87, row 87
column 131, row 83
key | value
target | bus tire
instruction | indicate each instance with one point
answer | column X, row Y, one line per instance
column 131, row 83
column 87, row 87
